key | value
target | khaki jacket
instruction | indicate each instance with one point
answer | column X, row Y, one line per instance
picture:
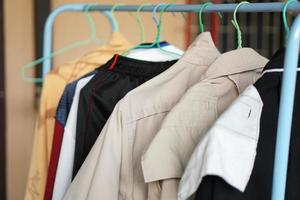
column 166, row 158
column 113, row 169
column 53, row 87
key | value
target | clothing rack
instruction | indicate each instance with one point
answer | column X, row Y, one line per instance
column 289, row 74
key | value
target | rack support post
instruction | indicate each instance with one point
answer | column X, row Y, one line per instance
column 286, row 112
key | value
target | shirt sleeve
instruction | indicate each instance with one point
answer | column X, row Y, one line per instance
column 63, row 176
column 42, row 142
column 99, row 175
column 60, row 121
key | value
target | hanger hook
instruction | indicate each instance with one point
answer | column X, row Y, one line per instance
column 139, row 21
column 201, row 26
column 236, row 24
column 173, row 2
column 286, row 26
column 200, row 14
column 154, row 17
column 157, row 22
column 166, row 6
column 91, row 22
column 112, row 11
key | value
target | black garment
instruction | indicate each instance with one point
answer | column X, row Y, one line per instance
column 259, row 186
column 98, row 98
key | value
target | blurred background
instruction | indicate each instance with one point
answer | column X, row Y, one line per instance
column 21, row 31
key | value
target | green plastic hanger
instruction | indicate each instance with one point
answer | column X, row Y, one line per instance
column 157, row 37
column 181, row 13
column 286, row 26
column 236, row 25
column 158, row 23
column 142, row 31
column 141, row 26
column 112, row 11
column 200, row 14
column 159, row 27
column 138, row 19
column 140, row 46
column 92, row 38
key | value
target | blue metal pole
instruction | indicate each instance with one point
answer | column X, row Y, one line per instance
column 286, row 112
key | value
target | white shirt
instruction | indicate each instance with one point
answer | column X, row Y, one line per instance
column 168, row 52
column 228, row 149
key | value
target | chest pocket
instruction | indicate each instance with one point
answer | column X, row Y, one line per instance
column 243, row 116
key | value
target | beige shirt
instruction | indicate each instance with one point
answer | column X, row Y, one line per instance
column 189, row 120
column 113, row 169
column 53, row 86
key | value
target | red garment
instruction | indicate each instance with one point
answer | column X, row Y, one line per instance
column 55, row 152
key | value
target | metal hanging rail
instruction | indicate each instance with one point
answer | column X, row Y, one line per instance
column 289, row 75
column 251, row 7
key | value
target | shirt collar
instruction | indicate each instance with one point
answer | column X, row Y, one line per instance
column 236, row 61
column 271, row 80
column 237, row 65
column 202, row 51
column 277, row 60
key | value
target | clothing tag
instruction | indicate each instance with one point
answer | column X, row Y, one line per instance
column 114, row 63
